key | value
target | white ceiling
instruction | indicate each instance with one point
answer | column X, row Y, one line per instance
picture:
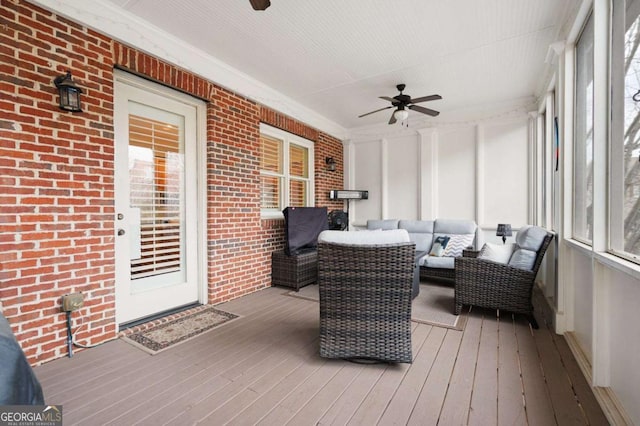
column 336, row 57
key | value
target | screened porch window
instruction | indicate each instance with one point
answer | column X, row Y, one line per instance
column 625, row 150
column 583, row 143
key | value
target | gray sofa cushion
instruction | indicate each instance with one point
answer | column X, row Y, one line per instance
column 454, row 226
column 437, row 262
column 364, row 238
column 523, row 259
column 420, row 232
column 384, row 224
column 458, row 227
column 530, row 237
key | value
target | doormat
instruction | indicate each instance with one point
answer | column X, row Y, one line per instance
column 158, row 338
column 433, row 305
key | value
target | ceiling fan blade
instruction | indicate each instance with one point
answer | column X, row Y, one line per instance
column 378, row 110
column 386, row 98
column 424, row 110
column 426, row 98
column 392, row 120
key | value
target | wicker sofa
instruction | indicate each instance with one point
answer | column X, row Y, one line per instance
column 489, row 284
column 423, row 232
column 365, row 283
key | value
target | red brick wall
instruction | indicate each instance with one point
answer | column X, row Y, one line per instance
column 328, row 146
column 56, row 179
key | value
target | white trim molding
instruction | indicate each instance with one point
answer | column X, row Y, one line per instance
column 428, row 173
column 384, row 178
column 611, row 406
column 479, row 159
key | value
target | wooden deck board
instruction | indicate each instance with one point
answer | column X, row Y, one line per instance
column 317, row 406
column 566, row 408
column 343, row 409
column 407, row 394
column 256, row 356
column 178, row 366
column 263, row 405
column 583, row 391
column 455, row 410
column 510, row 393
column 538, row 406
column 429, row 403
column 265, row 368
column 289, row 406
column 376, row 402
column 484, row 399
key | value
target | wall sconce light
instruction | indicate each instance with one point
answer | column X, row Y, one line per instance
column 504, row 231
column 69, row 93
column 331, row 164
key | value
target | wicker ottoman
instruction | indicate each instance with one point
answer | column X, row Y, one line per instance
column 294, row 271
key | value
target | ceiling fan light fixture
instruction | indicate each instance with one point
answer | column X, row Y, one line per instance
column 260, row 4
column 401, row 114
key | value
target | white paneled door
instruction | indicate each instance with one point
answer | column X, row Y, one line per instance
column 156, row 200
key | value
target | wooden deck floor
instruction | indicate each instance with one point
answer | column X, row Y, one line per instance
column 264, row 368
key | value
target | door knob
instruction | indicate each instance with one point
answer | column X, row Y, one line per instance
column 120, row 231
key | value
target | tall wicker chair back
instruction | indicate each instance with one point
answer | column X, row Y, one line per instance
column 492, row 285
column 365, row 300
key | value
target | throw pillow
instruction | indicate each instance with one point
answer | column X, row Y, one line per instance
column 530, row 237
column 439, row 245
column 523, row 259
column 457, row 243
column 499, row 253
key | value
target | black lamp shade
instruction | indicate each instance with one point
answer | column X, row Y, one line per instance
column 504, row 230
column 69, row 93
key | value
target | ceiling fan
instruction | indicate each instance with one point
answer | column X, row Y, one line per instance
column 260, row 4
column 401, row 102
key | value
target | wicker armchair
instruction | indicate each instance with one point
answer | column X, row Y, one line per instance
column 365, row 298
column 493, row 285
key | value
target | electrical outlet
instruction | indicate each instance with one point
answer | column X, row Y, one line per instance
column 72, row 302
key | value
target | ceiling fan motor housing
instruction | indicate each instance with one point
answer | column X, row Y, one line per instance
column 401, row 100
column 260, row 4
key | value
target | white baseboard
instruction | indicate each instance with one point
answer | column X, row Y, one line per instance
column 611, row 406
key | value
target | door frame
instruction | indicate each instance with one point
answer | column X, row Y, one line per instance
column 201, row 171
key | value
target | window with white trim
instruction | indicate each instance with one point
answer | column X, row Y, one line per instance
column 286, row 171
column 625, row 132
column 583, row 137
